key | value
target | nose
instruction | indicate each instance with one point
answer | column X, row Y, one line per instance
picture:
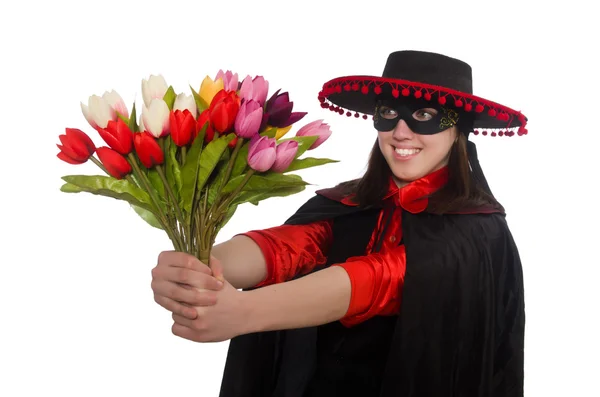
column 402, row 131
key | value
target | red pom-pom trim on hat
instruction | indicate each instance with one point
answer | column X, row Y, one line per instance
column 444, row 96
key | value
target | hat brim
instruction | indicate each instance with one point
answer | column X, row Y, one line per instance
column 357, row 95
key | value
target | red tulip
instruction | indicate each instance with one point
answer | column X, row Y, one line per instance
column 118, row 136
column 183, row 126
column 203, row 119
column 76, row 147
column 223, row 110
column 147, row 149
column 116, row 165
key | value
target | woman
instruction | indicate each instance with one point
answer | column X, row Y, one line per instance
column 405, row 282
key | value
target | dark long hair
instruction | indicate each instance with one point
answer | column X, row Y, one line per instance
column 460, row 193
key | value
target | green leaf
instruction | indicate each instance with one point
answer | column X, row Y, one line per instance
column 216, row 182
column 119, row 189
column 133, row 126
column 157, row 183
column 304, row 142
column 173, row 169
column 241, row 161
column 189, row 171
column 169, row 97
column 254, row 197
column 270, row 132
column 265, row 183
column 308, row 162
column 147, row 216
column 125, row 119
column 200, row 103
column 210, row 158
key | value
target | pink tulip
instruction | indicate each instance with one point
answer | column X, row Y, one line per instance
column 230, row 80
column 317, row 127
column 286, row 152
column 255, row 89
column 248, row 119
column 261, row 153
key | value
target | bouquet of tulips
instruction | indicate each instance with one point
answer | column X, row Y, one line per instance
column 191, row 160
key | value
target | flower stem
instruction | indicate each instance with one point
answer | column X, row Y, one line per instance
column 239, row 188
column 183, row 155
column 179, row 214
column 98, row 163
column 228, row 171
column 174, row 238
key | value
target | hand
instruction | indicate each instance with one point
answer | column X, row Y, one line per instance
column 180, row 281
column 226, row 319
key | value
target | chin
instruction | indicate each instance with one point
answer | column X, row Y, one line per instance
column 408, row 176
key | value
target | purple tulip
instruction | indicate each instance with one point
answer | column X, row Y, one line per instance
column 279, row 108
column 248, row 119
column 261, row 153
column 254, row 89
column 230, row 80
column 317, row 127
column 286, row 152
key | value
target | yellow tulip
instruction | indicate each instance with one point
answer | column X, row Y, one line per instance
column 209, row 88
column 282, row 131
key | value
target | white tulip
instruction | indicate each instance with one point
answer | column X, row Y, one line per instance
column 116, row 102
column 156, row 118
column 183, row 102
column 154, row 87
column 141, row 123
column 98, row 112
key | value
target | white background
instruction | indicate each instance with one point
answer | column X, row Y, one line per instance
column 78, row 316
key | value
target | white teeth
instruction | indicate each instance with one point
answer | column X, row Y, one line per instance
column 407, row 152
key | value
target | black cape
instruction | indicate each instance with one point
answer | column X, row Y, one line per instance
column 460, row 330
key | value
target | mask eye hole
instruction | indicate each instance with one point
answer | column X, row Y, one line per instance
column 425, row 114
column 387, row 112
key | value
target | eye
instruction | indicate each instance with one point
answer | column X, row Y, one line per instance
column 387, row 112
column 424, row 114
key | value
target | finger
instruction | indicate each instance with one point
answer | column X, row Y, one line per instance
column 182, row 294
column 176, row 307
column 186, row 333
column 187, row 276
column 217, row 268
column 186, row 322
column 181, row 259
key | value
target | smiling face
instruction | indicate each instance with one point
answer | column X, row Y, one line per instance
column 409, row 154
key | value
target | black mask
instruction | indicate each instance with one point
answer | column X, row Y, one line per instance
column 420, row 120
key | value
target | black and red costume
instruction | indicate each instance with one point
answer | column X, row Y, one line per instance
column 437, row 309
column 437, row 305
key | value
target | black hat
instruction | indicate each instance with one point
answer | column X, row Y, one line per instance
column 426, row 76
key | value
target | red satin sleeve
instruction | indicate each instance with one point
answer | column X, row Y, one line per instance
column 376, row 281
column 292, row 250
